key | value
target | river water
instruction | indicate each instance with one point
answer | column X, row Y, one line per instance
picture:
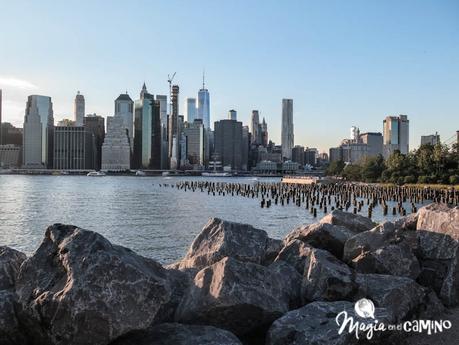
column 132, row 211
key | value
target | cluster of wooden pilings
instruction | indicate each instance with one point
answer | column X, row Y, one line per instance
column 350, row 197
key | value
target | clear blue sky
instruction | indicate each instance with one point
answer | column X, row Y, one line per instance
column 344, row 63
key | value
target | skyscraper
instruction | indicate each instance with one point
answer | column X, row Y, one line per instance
column 228, row 143
column 396, row 134
column 287, row 128
column 38, row 132
column 232, row 115
column 116, row 150
column 264, row 133
column 255, row 127
column 204, row 105
column 79, row 106
column 195, row 143
column 162, row 99
column 374, row 142
column 191, row 110
column 73, row 148
column 95, row 125
column 147, row 137
column 173, row 137
column 432, row 139
column 124, row 107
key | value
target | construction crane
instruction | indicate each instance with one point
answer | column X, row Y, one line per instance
column 169, row 80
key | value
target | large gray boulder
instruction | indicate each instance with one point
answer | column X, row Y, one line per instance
column 179, row 334
column 78, row 288
column 385, row 249
column 353, row 222
column 394, row 259
column 10, row 261
column 10, row 331
column 326, row 278
column 322, row 235
column 296, row 253
column 238, row 296
column 400, row 296
column 219, row 239
column 437, row 249
column 317, row 324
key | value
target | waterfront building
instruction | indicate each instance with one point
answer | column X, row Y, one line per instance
column 38, row 132
column 191, row 110
column 10, row 134
column 162, row 99
column 432, row 139
column 228, row 143
column 255, row 127
column 195, row 136
column 10, row 156
column 73, row 148
column 124, row 108
column 264, row 133
column 374, row 141
column 173, row 133
column 290, row 167
column 266, row 167
column 298, row 154
column 95, row 125
column 232, row 115
column 204, row 105
column 147, row 134
column 245, row 148
column 396, row 135
column 354, row 152
column 79, row 109
column 287, row 128
column 116, row 149
column 335, row 154
column 310, row 156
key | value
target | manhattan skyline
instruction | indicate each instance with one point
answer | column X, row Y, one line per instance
column 343, row 64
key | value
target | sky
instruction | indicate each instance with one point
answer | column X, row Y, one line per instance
column 344, row 63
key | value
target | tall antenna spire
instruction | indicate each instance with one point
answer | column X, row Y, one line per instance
column 203, row 78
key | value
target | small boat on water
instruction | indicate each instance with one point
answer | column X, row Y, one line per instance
column 95, row 173
column 140, row 173
column 165, row 173
column 216, row 174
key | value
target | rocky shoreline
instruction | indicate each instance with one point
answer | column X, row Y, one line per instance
column 235, row 285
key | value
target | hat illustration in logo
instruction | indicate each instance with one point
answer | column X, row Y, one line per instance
column 365, row 308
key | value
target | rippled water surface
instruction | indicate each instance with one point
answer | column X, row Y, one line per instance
column 131, row 211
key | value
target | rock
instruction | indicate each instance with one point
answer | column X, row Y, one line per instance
column 10, row 261
column 394, row 259
column 297, row 254
column 439, row 218
column 273, row 247
column 241, row 297
column 179, row 334
column 292, row 281
column 366, row 241
column 179, row 282
column 407, row 223
column 353, row 222
column 326, row 278
column 10, row 333
column 219, row 239
column 438, row 250
column 401, row 296
column 322, row 235
column 78, row 288
column 316, row 324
